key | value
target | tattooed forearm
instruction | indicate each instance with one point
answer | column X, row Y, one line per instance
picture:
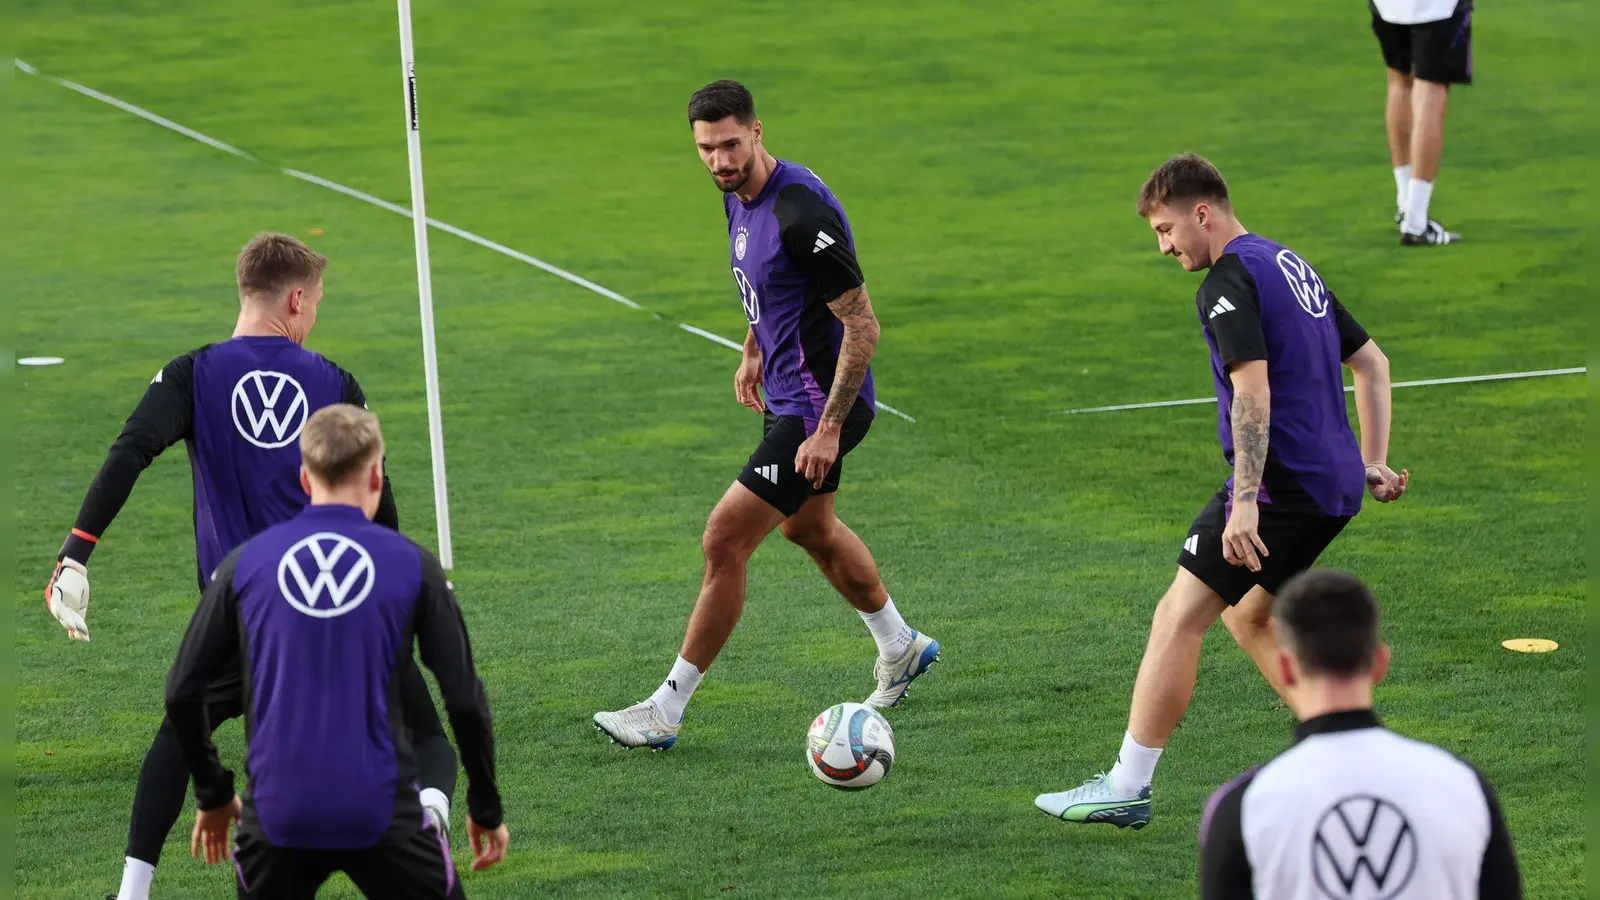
column 1252, row 417
column 854, row 309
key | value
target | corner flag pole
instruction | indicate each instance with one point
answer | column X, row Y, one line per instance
column 419, row 221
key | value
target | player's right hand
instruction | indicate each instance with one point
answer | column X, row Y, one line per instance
column 67, row 598
column 747, row 383
column 1385, row 485
column 488, row 846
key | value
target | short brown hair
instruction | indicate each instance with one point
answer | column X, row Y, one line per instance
column 338, row 442
column 274, row 263
column 1329, row 622
column 1187, row 179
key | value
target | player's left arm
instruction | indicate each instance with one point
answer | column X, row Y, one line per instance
column 815, row 237
column 1234, row 317
column 388, row 514
column 1369, row 369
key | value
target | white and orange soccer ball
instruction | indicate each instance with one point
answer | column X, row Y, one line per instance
column 850, row 747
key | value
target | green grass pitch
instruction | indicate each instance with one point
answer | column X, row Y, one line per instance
column 988, row 159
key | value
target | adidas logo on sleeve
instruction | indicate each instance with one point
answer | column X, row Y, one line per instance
column 1222, row 306
column 823, row 242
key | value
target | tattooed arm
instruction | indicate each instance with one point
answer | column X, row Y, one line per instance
column 821, row 450
column 854, row 310
column 1252, row 417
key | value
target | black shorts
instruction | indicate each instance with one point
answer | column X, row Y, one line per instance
column 1440, row 51
column 412, row 862
column 770, row 472
column 1294, row 540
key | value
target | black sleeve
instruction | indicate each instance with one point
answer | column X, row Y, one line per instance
column 814, row 236
column 388, row 515
column 164, row 417
column 208, row 646
column 445, row 649
column 1224, row 865
column 1232, row 311
column 1499, row 879
column 1352, row 336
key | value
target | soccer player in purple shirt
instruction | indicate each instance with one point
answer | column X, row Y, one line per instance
column 317, row 615
column 1277, row 337
column 809, row 347
column 238, row 405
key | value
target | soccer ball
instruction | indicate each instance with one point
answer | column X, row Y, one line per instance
column 850, row 747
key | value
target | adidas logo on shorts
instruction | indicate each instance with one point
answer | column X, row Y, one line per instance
column 1192, row 545
column 769, row 472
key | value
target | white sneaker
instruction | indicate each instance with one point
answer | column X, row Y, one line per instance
column 895, row 675
column 640, row 725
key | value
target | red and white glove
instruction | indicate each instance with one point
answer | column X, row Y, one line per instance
column 67, row 598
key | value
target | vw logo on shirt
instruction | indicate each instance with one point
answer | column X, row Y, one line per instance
column 1304, row 282
column 326, row 575
column 269, row 408
column 1364, row 849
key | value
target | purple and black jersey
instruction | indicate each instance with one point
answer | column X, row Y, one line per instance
column 239, row 406
column 320, row 614
column 793, row 254
column 1261, row 301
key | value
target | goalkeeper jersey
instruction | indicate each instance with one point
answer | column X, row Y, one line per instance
column 238, row 406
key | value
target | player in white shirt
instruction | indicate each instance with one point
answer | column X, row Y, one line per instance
column 1352, row 811
column 1427, row 46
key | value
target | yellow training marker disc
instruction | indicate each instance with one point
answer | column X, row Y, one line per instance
column 1529, row 645
column 316, row 232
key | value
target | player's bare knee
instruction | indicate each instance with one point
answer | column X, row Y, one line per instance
column 1184, row 611
column 811, row 533
column 724, row 549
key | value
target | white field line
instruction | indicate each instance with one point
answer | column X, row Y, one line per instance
column 364, row 197
column 1464, row 379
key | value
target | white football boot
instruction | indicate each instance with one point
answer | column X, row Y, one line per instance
column 640, row 725
column 895, row 675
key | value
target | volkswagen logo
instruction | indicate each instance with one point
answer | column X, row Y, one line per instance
column 1364, row 850
column 747, row 294
column 325, row 575
column 269, row 408
column 1304, row 283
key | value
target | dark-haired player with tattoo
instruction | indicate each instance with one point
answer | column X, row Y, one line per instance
column 1277, row 338
column 810, row 344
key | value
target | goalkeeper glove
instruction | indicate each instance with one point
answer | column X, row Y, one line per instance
column 67, row 598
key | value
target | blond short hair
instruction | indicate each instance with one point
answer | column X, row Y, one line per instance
column 339, row 441
column 274, row 263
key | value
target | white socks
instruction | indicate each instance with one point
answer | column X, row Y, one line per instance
column 1418, row 193
column 889, row 630
column 1135, row 767
column 136, row 877
column 674, row 693
column 435, row 799
column 1402, row 183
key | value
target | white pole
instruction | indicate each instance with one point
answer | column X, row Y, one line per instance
column 419, row 221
